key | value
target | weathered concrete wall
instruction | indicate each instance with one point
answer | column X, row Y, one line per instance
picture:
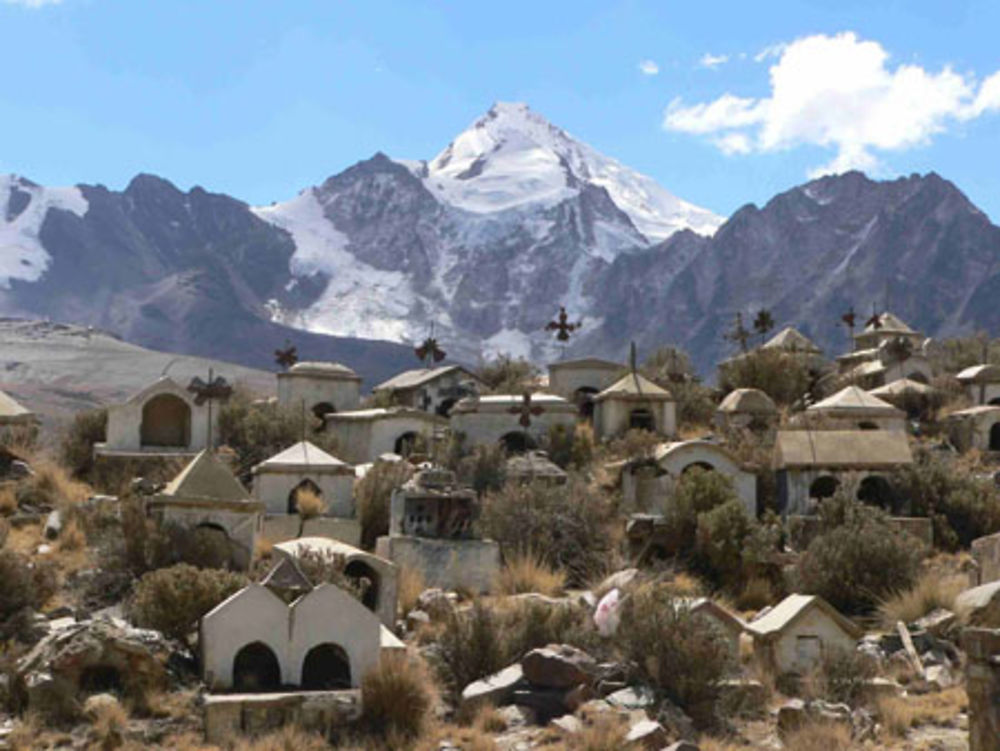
column 240, row 527
column 296, row 388
column 982, row 684
column 566, row 380
column 360, row 441
column 612, row 416
column 982, row 393
column 283, row 527
column 986, row 551
column 448, row 564
column 229, row 717
column 487, row 428
column 787, row 653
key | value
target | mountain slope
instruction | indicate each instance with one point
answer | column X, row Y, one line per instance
column 915, row 245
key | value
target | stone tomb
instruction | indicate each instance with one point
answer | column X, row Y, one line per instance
column 581, row 380
column 488, row 420
column 975, row 428
column 430, row 529
column 363, row 435
column 304, row 466
column 163, row 418
column 434, row 390
column 634, row 402
column 320, row 387
column 982, row 383
column 205, row 497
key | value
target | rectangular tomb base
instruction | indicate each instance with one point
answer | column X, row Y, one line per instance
column 284, row 527
column 229, row 716
column 448, row 564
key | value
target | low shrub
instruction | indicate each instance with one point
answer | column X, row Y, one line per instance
column 469, row 647
column 931, row 591
column 842, row 676
column 25, row 583
column 571, row 527
column 172, row 600
column 484, row 469
column 396, row 696
column 51, row 487
column 373, row 494
column 858, row 558
column 674, row 654
column 527, row 572
column 76, row 447
column 506, row 375
column 782, row 376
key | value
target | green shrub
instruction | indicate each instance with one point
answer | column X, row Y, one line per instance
column 858, row 558
column 469, row 647
column 673, row 652
column 671, row 368
column 961, row 506
column 720, row 542
column 843, row 675
column 373, row 494
column 570, row 526
column 485, row 469
column 783, row 377
column 697, row 492
column 76, row 449
column 173, row 600
column 505, row 375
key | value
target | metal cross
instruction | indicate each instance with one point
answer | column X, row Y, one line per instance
column 215, row 388
column 286, row 357
column 876, row 320
column 562, row 326
column 526, row 409
column 429, row 351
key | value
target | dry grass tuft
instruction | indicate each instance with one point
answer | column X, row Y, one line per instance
column 527, row 572
column 397, row 697
column 820, row 737
column 72, row 538
column 52, row 485
column 289, row 738
column 708, row 743
column 23, row 736
column 932, row 590
column 467, row 739
column 8, row 500
column 605, row 733
column 756, row 594
column 308, row 503
column 262, row 549
column 108, row 723
column 488, row 720
column 686, row 585
column 409, row 587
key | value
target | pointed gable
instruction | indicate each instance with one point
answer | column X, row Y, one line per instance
column 302, row 455
column 633, row 385
column 853, row 399
column 206, row 477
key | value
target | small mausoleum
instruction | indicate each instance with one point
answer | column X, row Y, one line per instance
column 305, row 467
column 434, row 390
column 918, row 400
column 431, row 530
column 581, row 380
column 975, row 428
column 793, row 342
column 13, row 412
column 163, row 418
column 885, row 351
column 853, row 408
column 794, row 635
column 377, row 578
column 746, row 409
column 647, row 484
column 321, row 387
column 363, row 435
column 812, row 464
column 982, row 383
column 488, row 420
column 634, row 402
column 207, row 498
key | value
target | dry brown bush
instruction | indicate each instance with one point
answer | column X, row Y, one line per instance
column 396, row 696
column 108, row 724
column 72, row 538
column 820, row 737
column 527, row 572
column 289, row 738
column 8, row 500
column 51, row 487
column 932, row 590
column 373, row 494
column 409, row 587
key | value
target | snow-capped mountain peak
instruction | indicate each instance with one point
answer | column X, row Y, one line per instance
column 512, row 157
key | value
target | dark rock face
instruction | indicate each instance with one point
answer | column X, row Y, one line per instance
column 915, row 245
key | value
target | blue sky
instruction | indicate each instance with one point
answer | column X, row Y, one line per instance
column 260, row 99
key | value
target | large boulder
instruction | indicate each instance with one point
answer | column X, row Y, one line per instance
column 981, row 605
column 493, row 689
column 558, row 666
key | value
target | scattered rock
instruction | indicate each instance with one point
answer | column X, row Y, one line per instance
column 98, row 702
column 940, row 676
column 981, row 605
column 568, row 723
column 437, row 603
column 53, row 525
column 647, row 734
column 633, row 697
column 416, row 618
column 517, row 717
column 578, row 696
column 937, row 622
column 558, row 666
column 619, row 579
column 495, row 689
column 547, row 702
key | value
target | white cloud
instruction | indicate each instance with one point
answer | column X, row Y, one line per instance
column 649, row 68
column 772, row 50
column 708, row 60
column 32, row 3
column 837, row 92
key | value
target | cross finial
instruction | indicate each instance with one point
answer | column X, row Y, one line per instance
column 632, row 359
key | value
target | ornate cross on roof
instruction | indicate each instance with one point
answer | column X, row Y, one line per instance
column 876, row 320
column 526, row 409
column 286, row 357
column 215, row 388
column 562, row 326
column 429, row 351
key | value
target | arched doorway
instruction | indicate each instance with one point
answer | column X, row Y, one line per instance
column 306, row 486
column 406, row 444
column 641, row 419
column 700, row 466
column 444, row 408
column 823, row 487
column 867, row 425
column 518, row 442
column 322, row 409
column 369, row 580
column 995, row 401
column 209, row 546
column 166, row 421
column 256, row 669
column 583, row 397
column 326, row 668
column 876, row 491
column 995, row 437
column 101, row 679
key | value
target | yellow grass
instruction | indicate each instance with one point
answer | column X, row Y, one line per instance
column 757, row 593
column 686, row 585
column 72, row 537
column 820, row 737
column 488, row 720
column 308, row 503
column 899, row 713
column 107, row 725
column 53, row 481
column 8, row 501
column 409, row 587
column 933, row 590
column 529, row 573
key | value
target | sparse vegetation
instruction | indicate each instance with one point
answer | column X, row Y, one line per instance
column 76, row 448
column 505, row 375
column 783, row 377
column 373, row 494
column 528, row 572
column 396, row 697
column 932, row 590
